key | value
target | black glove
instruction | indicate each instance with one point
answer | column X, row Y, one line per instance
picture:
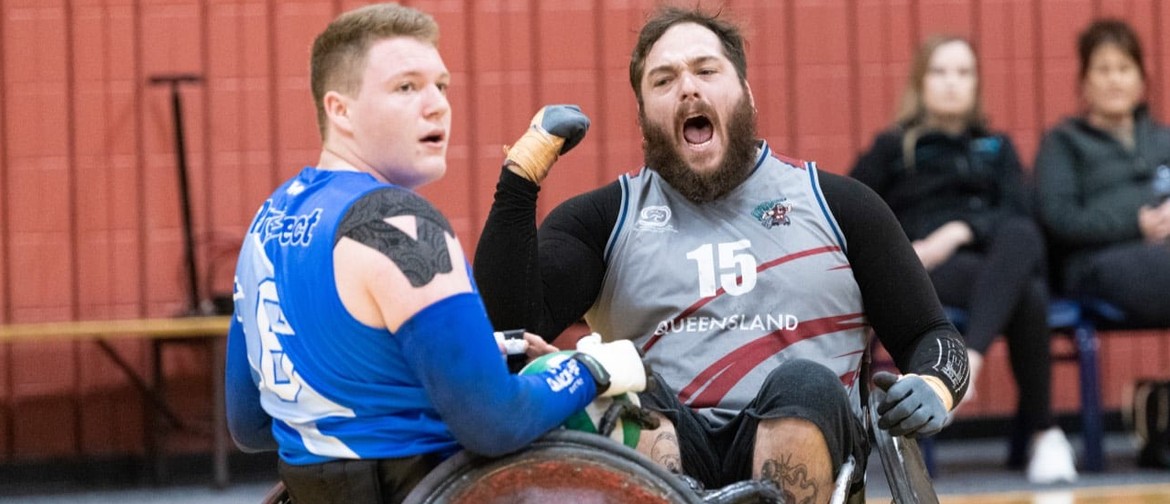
column 912, row 407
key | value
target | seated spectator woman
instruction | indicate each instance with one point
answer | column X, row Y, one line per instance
column 1103, row 179
column 958, row 190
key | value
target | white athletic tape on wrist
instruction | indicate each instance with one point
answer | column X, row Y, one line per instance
column 511, row 344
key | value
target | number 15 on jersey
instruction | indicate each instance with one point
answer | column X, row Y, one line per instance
column 736, row 267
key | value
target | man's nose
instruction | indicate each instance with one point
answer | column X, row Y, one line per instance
column 688, row 87
column 436, row 104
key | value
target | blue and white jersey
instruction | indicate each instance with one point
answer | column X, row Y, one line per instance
column 335, row 388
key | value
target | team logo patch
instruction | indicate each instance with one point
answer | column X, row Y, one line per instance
column 773, row 213
column 654, row 218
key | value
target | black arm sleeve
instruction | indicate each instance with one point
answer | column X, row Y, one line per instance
column 899, row 299
column 546, row 284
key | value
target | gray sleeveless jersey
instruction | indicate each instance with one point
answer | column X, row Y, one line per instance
column 719, row 294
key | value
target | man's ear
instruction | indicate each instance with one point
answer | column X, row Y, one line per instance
column 751, row 99
column 337, row 111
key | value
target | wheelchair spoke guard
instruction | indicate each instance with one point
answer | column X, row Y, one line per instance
column 901, row 461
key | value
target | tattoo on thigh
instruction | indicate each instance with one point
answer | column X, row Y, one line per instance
column 793, row 479
column 665, row 452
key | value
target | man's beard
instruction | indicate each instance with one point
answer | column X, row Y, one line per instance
column 662, row 155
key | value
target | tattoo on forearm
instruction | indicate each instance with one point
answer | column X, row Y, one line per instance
column 793, row 480
column 665, row 452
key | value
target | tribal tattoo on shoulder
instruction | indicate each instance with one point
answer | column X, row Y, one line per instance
column 419, row 259
column 793, row 479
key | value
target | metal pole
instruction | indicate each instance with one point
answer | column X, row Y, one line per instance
column 174, row 81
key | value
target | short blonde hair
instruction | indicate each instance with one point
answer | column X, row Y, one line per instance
column 339, row 52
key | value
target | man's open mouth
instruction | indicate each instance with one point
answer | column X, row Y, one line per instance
column 698, row 130
column 434, row 138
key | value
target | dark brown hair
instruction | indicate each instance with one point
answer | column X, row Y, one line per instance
column 339, row 52
column 1109, row 31
column 665, row 17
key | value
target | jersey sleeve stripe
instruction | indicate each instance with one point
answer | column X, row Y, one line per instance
column 621, row 220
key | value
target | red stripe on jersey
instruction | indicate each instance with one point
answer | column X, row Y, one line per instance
column 719, row 378
column 847, row 378
column 775, row 262
column 847, row 354
column 841, row 267
column 796, row 163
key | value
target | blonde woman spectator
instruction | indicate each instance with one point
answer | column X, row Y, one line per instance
column 957, row 189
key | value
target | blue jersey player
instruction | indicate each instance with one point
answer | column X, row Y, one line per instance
column 360, row 348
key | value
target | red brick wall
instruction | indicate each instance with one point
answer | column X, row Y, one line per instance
column 89, row 219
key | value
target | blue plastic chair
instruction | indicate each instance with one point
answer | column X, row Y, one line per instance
column 1078, row 320
column 1070, row 318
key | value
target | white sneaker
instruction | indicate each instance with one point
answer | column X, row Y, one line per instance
column 1052, row 458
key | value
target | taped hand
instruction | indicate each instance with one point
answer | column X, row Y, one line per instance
column 555, row 129
column 913, row 406
column 616, row 366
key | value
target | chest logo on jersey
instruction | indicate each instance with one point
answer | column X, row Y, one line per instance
column 655, row 219
column 773, row 213
column 289, row 230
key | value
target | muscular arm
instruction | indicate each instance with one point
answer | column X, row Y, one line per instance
column 399, row 266
column 900, row 301
column 543, row 281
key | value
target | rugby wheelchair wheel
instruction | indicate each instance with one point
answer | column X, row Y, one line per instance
column 562, row 466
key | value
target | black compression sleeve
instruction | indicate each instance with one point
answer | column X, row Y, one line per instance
column 899, row 299
column 505, row 257
column 543, row 285
column 572, row 254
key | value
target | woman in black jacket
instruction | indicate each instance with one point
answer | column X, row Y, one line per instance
column 1103, row 180
column 958, row 190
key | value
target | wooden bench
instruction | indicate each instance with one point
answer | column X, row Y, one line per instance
column 159, row 331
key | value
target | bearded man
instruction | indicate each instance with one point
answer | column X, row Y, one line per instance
column 751, row 281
